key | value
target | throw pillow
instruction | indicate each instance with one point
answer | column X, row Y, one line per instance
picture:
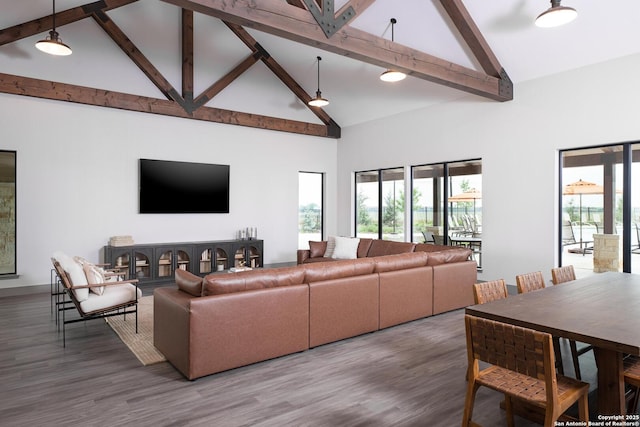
column 331, row 245
column 317, row 249
column 346, row 248
column 95, row 276
column 75, row 273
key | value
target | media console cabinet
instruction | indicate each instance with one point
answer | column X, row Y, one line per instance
column 157, row 263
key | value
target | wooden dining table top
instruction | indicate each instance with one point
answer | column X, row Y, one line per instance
column 602, row 310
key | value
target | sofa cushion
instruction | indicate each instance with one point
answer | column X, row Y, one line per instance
column 189, row 282
column 400, row 261
column 226, row 283
column 316, row 272
column 346, row 248
column 363, row 247
column 317, row 249
column 427, row 247
column 389, row 247
column 455, row 254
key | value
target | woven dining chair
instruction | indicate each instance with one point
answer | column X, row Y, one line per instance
column 632, row 377
column 566, row 274
column 489, row 291
column 563, row 274
column 521, row 367
column 530, row 282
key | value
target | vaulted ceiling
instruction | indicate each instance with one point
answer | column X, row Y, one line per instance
column 253, row 62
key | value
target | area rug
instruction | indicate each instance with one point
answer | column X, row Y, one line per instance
column 140, row 344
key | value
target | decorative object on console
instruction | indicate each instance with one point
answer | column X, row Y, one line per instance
column 121, row 241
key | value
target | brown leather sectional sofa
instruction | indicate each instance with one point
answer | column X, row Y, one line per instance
column 227, row 320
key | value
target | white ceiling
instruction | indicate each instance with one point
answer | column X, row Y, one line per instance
column 603, row 30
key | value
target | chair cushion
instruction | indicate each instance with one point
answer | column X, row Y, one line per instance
column 75, row 273
column 95, row 275
column 113, row 295
column 317, row 249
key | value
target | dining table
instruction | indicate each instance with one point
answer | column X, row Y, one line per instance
column 602, row 310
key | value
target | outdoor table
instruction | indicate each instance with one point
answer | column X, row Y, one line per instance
column 602, row 310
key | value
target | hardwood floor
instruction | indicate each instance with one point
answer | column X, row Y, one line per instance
column 408, row 375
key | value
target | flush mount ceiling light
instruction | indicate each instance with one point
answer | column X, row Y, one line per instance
column 556, row 15
column 53, row 44
column 392, row 75
column 318, row 101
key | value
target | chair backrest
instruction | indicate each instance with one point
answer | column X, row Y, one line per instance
column 563, row 274
column 530, row 282
column 568, row 238
column 511, row 347
column 429, row 237
column 489, row 291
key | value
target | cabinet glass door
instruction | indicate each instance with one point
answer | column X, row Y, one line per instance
column 183, row 261
column 254, row 257
column 205, row 261
column 221, row 259
column 143, row 266
column 165, row 267
column 239, row 259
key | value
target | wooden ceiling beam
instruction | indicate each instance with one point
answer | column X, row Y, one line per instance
column 475, row 40
column 280, row 72
column 26, row 86
column 225, row 81
column 44, row 24
column 187, row 57
column 284, row 20
column 137, row 57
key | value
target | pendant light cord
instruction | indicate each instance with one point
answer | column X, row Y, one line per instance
column 319, row 59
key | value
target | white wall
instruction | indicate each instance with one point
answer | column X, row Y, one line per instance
column 77, row 177
column 518, row 142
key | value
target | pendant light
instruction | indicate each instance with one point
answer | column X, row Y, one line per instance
column 556, row 15
column 392, row 75
column 318, row 101
column 53, row 44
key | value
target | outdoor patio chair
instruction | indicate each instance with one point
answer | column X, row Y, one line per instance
column 429, row 237
column 521, row 367
column 92, row 296
column 563, row 275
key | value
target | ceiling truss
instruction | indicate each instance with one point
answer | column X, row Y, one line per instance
column 291, row 20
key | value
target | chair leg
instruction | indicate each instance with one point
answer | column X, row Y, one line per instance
column 633, row 403
column 558, row 355
column 508, row 406
column 574, row 356
column 583, row 408
column 469, row 400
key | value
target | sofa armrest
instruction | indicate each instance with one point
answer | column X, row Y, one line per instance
column 303, row 255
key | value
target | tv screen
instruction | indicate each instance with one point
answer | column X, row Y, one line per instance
column 182, row 187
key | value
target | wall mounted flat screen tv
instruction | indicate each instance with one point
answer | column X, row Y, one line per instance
column 182, row 187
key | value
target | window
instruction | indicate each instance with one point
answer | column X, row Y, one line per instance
column 380, row 204
column 310, row 208
column 597, row 197
column 8, row 213
column 462, row 209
